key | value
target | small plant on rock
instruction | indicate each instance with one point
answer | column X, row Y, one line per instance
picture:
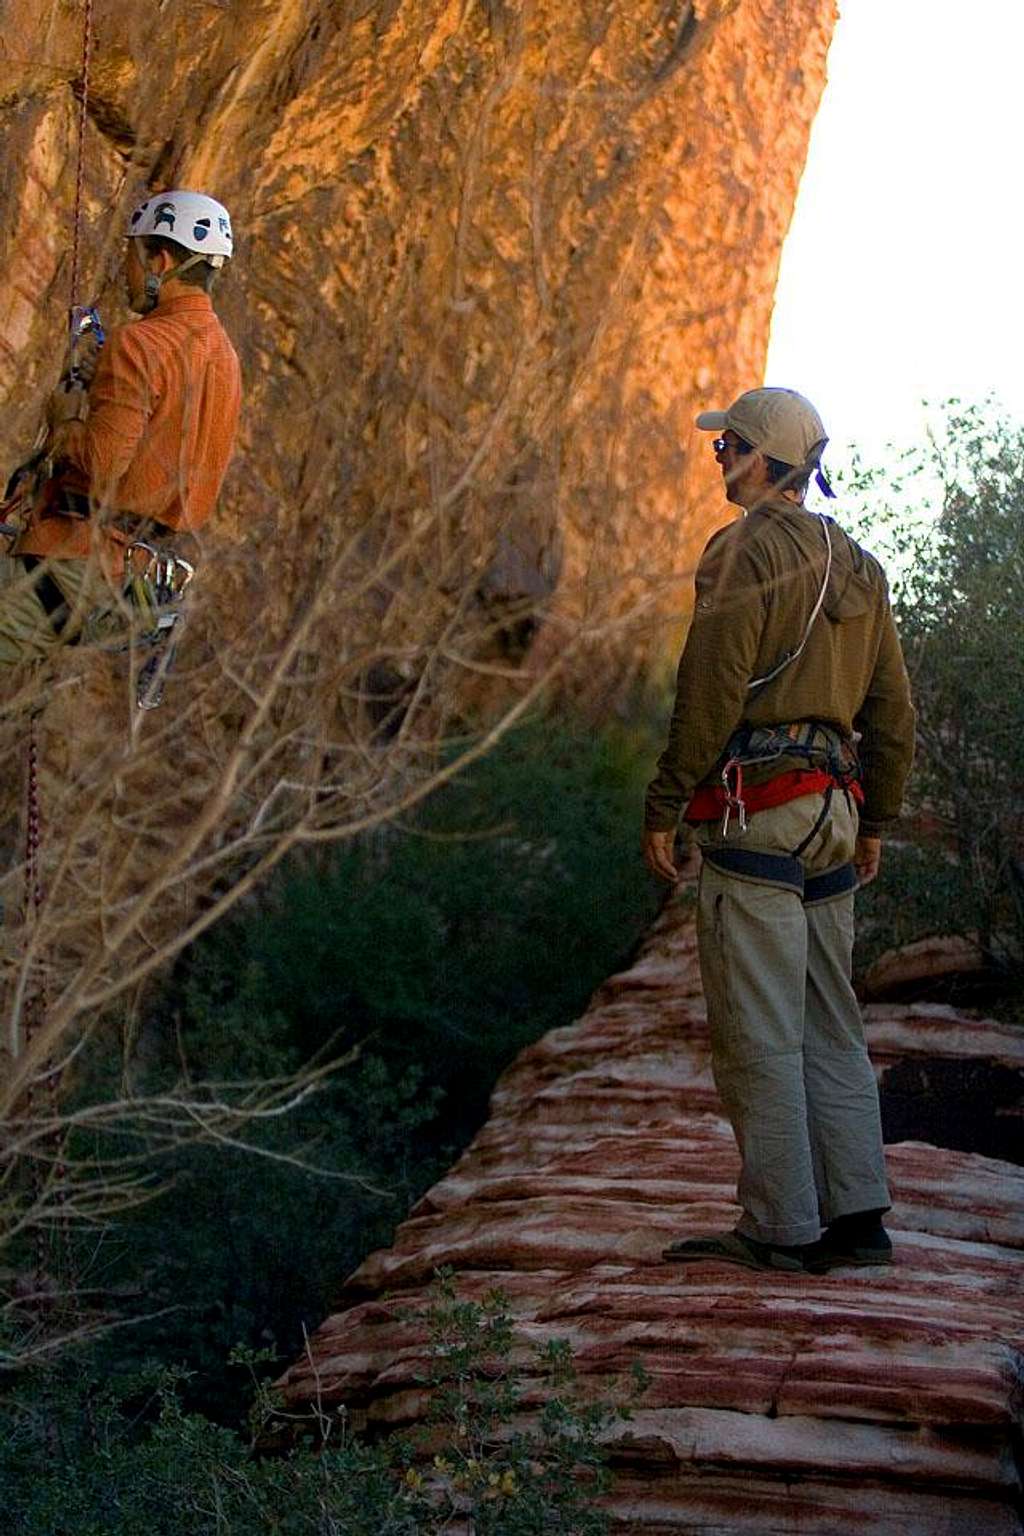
column 122, row 1457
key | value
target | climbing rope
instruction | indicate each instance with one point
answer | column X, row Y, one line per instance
column 36, row 1001
column 36, row 998
column 83, row 123
column 33, row 830
column 33, row 817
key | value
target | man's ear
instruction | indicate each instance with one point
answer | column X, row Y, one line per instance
column 158, row 261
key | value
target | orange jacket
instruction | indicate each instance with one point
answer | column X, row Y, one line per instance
column 163, row 412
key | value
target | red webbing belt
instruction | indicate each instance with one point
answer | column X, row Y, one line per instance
column 708, row 802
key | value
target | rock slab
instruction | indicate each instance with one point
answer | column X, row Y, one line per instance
column 879, row 1399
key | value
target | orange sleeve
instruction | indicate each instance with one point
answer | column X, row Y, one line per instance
column 121, row 401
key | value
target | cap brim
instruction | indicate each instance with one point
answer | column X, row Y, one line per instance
column 711, row 421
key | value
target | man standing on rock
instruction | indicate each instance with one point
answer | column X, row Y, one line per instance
column 140, row 454
column 790, row 744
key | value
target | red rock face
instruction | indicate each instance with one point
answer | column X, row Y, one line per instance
column 491, row 257
column 866, row 1399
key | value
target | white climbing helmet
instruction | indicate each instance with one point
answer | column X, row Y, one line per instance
column 192, row 219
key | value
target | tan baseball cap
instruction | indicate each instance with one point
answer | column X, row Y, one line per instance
column 777, row 422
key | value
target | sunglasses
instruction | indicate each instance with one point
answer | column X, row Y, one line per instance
column 720, row 444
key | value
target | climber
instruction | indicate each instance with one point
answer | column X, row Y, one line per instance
column 790, row 743
column 139, row 438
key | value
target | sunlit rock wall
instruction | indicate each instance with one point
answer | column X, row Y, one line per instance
column 493, row 254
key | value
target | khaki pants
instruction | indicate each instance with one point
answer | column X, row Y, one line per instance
column 26, row 629
column 788, row 1051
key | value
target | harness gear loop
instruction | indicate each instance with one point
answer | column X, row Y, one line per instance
column 823, row 747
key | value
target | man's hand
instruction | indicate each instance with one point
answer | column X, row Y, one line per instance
column 867, row 856
column 66, row 405
column 657, row 849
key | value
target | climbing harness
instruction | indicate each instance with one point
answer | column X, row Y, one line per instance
column 754, row 745
column 783, row 869
column 823, row 747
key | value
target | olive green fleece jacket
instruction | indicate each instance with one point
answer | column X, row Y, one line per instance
column 756, row 586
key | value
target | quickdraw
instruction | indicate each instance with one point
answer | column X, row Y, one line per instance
column 156, row 591
column 732, row 784
column 164, row 578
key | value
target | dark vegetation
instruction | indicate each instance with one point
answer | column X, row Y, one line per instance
column 958, row 595
column 437, row 949
column 125, row 1458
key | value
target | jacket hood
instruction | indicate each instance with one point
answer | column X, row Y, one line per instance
column 853, row 577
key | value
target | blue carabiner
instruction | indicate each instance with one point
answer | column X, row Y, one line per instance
column 85, row 321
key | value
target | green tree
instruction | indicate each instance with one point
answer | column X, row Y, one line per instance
column 958, row 595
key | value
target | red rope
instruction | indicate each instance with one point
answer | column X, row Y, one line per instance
column 33, row 830
column 36, row 1002
column 83, row 123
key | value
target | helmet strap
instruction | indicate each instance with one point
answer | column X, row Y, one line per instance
column 193, row 261
column 155, row 281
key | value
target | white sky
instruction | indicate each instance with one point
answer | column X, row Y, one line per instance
column 903, row 275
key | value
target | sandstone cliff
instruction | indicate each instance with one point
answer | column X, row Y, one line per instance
column 874, row 1399
column 491, row 258
column 493, row 255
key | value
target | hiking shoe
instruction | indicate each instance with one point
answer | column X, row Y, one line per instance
column 734, row 1248
column 844, row 1243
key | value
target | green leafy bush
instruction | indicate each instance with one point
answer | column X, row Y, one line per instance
column 918, row 892
column 958, row 596
column 455, row 939
column 126, row 1459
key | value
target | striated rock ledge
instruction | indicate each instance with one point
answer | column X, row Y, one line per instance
column 878, row 1399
